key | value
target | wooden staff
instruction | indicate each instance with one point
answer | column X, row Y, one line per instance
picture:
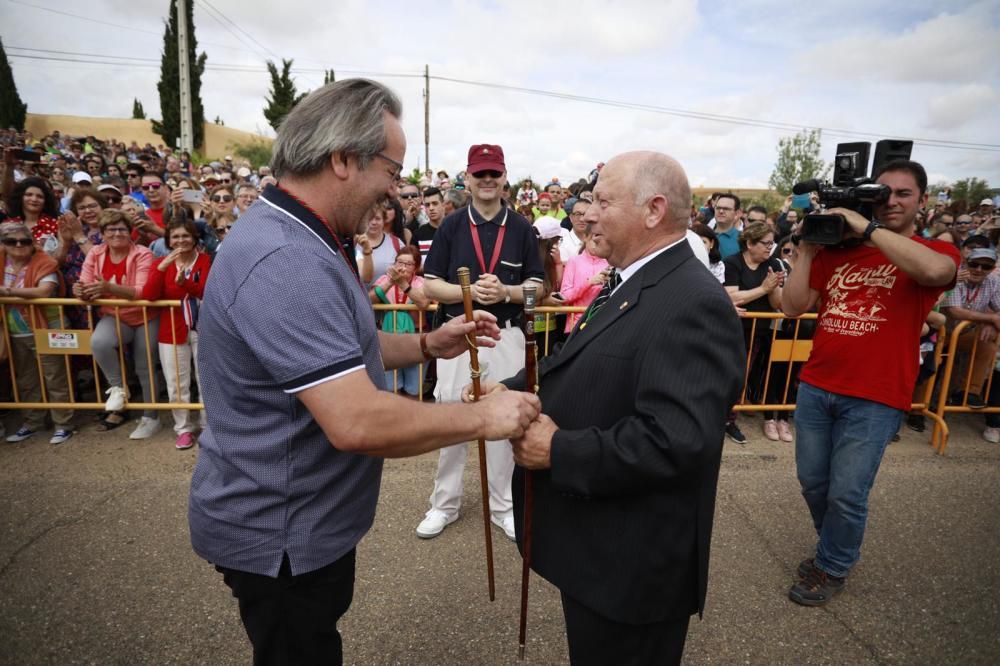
column 531, row 383
column 463, row 280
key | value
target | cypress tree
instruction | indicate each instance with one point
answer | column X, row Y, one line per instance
column 169, row 85
column 12, row 110
column 138, row 113
column 283, row 97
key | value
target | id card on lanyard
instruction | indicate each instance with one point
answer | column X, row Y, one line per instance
column 478, row 246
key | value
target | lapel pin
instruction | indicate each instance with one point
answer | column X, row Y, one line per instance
column 623, row 305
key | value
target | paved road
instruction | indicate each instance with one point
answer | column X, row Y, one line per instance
column 96, row 568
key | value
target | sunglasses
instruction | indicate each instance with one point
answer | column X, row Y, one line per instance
column 409, row 195
column 787, row 250
column 222, row 198
column 488, row 174
column 224, row 228
column 114, row 200
column 972, row 264
column 18, row 242
column 152, row 186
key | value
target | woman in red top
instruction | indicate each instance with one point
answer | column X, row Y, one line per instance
column 180, row 274
column 33, row 202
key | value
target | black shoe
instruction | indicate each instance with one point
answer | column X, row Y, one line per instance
column 916, row 422
column 816, row 588
column 974, row 401
column 805, row 566
column 734, row 433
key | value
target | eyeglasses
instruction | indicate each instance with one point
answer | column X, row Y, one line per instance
column 111, row 231
column 114, row 200
column 398, row 165
column 767, row 244
column 222, row 198
column 972, row 264
column 409, row 195
column 487, row 174
column 18, row 242
column 227, row 180
column 408, row 264
column 152, row 186
column 224, row 228
column 963, row 222
column 93, row 206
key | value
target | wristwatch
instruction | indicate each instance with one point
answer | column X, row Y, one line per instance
column 872, row 226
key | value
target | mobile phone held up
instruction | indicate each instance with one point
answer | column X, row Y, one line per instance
column 193, row 196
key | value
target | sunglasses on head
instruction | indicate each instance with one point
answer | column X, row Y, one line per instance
column 488, row 174
column 152, row 186
column 18, row 242
column 972, row 264
column 222, row 198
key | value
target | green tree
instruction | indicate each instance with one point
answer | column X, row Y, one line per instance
column 969, row 192
column 798, row 160
column 258, row 151
column 12, row 110
column 169, row 85
column 283, row 97
column 138, row 113
column 329, row 77
column 218, row 121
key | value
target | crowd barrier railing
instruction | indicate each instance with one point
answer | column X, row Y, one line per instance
column 774, row 357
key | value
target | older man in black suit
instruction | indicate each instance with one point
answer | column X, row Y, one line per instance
column 626, row 455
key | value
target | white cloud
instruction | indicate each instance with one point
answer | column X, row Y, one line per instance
column 957, row 107
column 948, row 49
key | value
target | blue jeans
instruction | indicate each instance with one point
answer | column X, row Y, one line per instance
column 838, row 449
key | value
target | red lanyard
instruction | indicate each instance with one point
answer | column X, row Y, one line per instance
column 474, row 230
column 971, row 294
column 336, row 239
column 399, row 296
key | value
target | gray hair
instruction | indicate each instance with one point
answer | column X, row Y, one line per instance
column 343, row 117
column 455, row 197
column 8, row 229
column 656, row 173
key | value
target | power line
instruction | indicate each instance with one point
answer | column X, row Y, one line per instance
column 683, row 113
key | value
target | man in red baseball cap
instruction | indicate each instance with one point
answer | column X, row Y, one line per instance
column 500, row 249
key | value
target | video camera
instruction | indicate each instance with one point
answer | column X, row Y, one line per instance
column 851, row 188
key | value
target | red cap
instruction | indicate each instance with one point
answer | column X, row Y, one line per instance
column 485, row 157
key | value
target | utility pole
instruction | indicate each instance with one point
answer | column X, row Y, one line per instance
column 427, row 117
column 184, row 67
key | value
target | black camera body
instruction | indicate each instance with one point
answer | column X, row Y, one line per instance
column 851, row 188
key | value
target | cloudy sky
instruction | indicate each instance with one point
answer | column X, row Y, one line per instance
column 916, row 69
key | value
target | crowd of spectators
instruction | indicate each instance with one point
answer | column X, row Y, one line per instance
column 108, row 219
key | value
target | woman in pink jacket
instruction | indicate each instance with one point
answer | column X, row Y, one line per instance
column 583, row 277
column 118, row 268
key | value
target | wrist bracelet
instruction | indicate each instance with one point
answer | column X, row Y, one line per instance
column 424, row 349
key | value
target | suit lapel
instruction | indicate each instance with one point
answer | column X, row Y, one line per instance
column 623, row 301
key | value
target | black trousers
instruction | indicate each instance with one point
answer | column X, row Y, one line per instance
column 594, row 639
column 293, row 619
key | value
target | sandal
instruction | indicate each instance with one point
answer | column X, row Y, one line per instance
column 107, row 424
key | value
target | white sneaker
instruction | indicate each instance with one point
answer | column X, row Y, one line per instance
column 146, row 429
column 507, row 525
column 992, row 435
column 434, row 523
column 116, row 399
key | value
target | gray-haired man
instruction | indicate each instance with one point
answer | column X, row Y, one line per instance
column 292, row 376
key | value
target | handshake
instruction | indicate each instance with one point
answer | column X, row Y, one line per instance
column 517, row 416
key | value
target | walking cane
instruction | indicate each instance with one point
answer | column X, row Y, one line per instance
column 531, row 383
column 463, row 280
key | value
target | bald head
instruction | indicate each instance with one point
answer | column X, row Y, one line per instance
column 652, row 174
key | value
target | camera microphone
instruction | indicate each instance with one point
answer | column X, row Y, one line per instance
column 807, row 186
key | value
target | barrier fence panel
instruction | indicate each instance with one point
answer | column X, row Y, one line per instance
column 778, row 347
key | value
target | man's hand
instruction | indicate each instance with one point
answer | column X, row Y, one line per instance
column 450, row 340
column 987, row 332
column 489, row 290
column 534, row 449
column 507, row 414
column 176, row 196
column 857, row 222
column 485, row 387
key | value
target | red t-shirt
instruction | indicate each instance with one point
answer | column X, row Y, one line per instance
column 868, row 333
column 156, row 215
column 114, row 273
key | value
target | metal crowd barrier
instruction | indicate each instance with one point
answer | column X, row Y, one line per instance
column 785, row 354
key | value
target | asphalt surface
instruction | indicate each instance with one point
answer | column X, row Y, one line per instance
column 96, row 566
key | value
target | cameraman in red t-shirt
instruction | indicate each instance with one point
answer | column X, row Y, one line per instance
column 858, row 381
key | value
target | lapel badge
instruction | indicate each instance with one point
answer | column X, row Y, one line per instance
column 583, row 326
column 623, row 305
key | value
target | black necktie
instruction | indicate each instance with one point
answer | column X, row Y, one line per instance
column 602, row 296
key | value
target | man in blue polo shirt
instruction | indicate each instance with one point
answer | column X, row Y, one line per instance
column 292, row 378
column 500, row 249
column 727, row 212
